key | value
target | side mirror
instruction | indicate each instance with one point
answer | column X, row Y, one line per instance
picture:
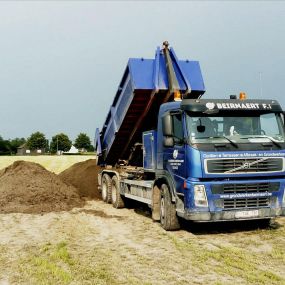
column 168, row 141
column 201, row 129
column 167, row 128
column 283, row 117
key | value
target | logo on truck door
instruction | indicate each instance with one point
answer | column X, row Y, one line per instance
column 210, row 105
column 175, row 153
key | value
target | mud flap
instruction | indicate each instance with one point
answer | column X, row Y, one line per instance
column 155, row 203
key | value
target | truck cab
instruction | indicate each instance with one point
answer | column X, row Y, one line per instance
column 225, row 158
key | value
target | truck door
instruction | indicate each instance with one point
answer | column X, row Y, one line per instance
column 174, row 156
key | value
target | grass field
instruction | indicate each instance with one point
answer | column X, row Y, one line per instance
column 52, row 163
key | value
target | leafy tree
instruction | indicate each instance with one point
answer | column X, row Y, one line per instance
column 91, row 148
column 37, row 140
column 47, row 146
column 60, row 142
column 4, row 147
column 83, row 141
column 15, row 143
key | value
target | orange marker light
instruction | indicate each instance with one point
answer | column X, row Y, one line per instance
column 184, row 184
column 242, row 95
column 177, row 95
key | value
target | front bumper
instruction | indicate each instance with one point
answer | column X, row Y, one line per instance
column 264, row 213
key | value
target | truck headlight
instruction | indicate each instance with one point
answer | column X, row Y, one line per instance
column 200, row 197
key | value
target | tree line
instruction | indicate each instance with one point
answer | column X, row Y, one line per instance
column 37, row 140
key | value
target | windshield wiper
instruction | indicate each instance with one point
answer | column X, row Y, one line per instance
column 219, row 137
column 231, row 141
column 264, row 136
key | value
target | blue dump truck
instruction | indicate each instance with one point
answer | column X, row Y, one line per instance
column 203, row 160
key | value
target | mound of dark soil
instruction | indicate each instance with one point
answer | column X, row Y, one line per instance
column 27, row 187
column 83, row 176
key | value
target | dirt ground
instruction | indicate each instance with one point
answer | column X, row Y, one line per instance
column 84, row 176
column 97, row 244
column 27, row 187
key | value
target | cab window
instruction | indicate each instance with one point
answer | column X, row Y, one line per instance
column 177, row 128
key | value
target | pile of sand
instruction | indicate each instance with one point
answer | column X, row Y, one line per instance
column 83, row 176
column 27, row 187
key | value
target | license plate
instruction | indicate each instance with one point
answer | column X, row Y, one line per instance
column 246, row 214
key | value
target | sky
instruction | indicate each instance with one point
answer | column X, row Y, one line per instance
column 61, row 61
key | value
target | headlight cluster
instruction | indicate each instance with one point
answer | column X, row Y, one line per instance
column 200, row 197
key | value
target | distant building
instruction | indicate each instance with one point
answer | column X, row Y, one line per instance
column 24, row 150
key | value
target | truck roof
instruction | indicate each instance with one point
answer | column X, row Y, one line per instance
column 212, row 105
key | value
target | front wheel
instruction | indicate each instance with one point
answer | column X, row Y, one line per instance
column 168, row 218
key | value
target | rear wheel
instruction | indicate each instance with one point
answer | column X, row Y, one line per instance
column 168, row 218
column 106, row 188
column 117, row 199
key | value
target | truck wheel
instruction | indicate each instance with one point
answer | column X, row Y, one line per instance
column 117, row 199
column 106, row 188
column 168, row 218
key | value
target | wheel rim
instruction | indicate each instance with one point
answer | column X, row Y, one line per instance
column 114, row 193
column 162, row 210
column 104, row 191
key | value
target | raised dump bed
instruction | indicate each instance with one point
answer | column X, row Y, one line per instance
column 143, row 88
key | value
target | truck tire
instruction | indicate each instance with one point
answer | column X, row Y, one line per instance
column 168, row 218
column 106, row 188
column 116, row 196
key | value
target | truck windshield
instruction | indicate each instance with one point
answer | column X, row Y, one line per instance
column 242, row 128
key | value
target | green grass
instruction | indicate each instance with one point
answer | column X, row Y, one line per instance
column 3, row 259
column 53, row 264
column 50, row 265
column 52, row 163
column 254, row 268
column 278, row 253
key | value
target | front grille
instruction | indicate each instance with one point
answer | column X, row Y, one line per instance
column 245, row 188
column 246, row 203
column 244, row 165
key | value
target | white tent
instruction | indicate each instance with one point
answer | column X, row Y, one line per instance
column 73, row 149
